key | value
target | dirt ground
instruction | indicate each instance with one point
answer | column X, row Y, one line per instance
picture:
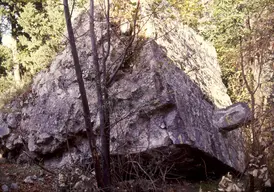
column 13, row 173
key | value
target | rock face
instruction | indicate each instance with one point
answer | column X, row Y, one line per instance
column 232, row 117
column 153, row 102
column 187, row 51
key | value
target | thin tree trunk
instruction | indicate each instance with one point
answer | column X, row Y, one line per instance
column 105, row 134
column 102, row 103
column 90, row 133
column 16, row 67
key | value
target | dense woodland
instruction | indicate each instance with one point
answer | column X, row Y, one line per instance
column 32, row 32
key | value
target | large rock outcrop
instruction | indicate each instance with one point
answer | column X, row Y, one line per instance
column 187, row 50
column 153, row 102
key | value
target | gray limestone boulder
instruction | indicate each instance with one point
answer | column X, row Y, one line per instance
column 153, row 102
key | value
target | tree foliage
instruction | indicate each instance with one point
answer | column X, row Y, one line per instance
column 45, row 29
column 232, row 22
column 37, row 26
column 5, row 60
column 190, row 10
column 31, row 32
